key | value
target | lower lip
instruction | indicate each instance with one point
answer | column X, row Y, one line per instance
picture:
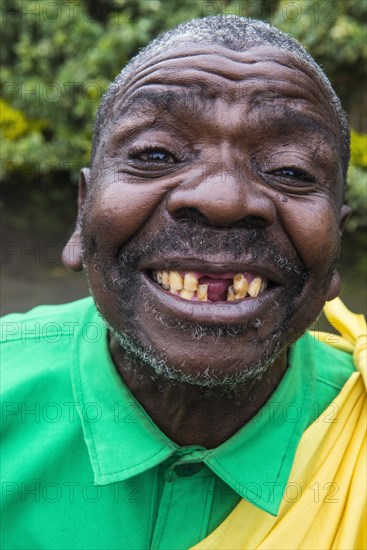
column 236, row 312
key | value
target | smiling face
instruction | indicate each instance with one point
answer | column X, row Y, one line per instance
column 211, row 224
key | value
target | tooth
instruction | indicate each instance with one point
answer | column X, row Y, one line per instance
column 159, row 277
column 165, row 280
column 187, row 294
column 202, row 293
column 154, row 275
column 230, row 294
column 240, row 285
column 255, row 287
column 241, row 294
column 190, row 282
column 263, row 285
column 175, row 280
column 172, row 291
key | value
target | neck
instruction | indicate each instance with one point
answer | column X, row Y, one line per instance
column 192, row 415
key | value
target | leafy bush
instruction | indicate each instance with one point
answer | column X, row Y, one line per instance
column 357, row 183
column 358, row 150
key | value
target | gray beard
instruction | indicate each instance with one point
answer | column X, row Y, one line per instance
column 143, row 358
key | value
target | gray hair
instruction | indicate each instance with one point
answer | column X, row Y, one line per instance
column 231, row 31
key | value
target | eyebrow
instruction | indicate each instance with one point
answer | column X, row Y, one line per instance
column 273, row 108
column 287, row 118
column 174, row 102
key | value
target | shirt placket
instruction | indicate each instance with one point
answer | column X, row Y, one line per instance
column 175, row 527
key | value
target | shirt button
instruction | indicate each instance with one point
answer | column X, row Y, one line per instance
column 189, row 469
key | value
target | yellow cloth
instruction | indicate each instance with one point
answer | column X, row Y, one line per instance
column 324, row 505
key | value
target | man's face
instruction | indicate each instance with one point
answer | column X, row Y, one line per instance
column 225, row 167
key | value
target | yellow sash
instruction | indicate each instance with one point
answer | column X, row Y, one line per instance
column 324, row 506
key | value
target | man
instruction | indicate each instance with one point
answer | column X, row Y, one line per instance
column 209, row 226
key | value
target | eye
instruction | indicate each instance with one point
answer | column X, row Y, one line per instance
column 153, row 156
column 292, row 173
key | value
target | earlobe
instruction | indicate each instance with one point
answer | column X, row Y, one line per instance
column 72, row 256
column 344, row 214
column 84, row 184
column 334, row 288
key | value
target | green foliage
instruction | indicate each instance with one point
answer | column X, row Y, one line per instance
column 13, row 123
column 357, row 197
column 358, row 149
column 357, row 185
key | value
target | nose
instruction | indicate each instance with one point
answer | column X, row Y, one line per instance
column 221, row 199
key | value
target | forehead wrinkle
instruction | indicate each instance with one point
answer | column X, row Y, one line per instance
column 222, row 73
column 191, row 51
column 250, row 56
column 150, row 62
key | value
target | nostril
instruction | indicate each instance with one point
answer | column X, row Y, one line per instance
column 251, row 222
column 192, row 215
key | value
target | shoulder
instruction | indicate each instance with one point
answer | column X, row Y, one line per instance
column 39, row 408
column 17, row 326
column 37, row 344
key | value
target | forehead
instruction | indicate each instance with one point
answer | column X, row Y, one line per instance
column 258, row 76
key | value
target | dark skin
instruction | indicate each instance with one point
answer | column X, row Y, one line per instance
column 259, row 150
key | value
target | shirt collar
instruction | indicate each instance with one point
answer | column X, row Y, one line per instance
column 123, row 441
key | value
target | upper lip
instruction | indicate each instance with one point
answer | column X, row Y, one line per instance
column 213, row 265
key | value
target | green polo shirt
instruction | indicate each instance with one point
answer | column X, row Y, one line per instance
column 84, row 466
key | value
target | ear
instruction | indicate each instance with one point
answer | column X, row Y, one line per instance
column 71, row 256
column 334, row 289
column 344, row 214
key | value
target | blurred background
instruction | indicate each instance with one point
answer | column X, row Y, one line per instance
column 57, row 61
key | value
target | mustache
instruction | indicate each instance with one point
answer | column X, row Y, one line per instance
column 190, row 238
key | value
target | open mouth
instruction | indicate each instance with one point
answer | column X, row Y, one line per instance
column 211, row 287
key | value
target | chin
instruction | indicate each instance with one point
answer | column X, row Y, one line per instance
column 213, row 357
